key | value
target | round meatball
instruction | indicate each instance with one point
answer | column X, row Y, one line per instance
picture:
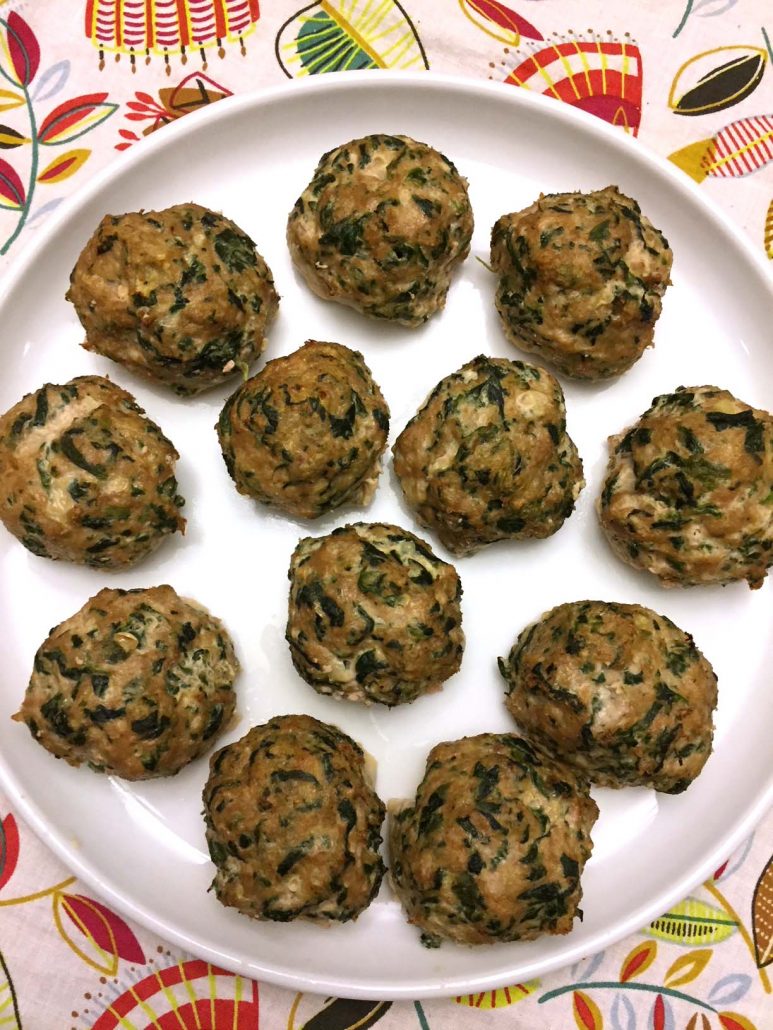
column 494, row 845
column 488, row 457
column 688, row 490
column 617, row 691
column 85, row 476
column 137, row 684
column 374, row 615
column 180, row 296
column 582, row 276
column 306, row 434
column 381, row 227
column 293, row 823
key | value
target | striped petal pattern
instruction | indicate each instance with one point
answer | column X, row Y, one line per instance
column 741, row 148
column 601, row 76
column 167, row 26
column 349, row 35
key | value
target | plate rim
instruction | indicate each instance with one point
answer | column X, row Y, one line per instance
column 384, row 81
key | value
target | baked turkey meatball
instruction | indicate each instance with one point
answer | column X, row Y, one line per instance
column 306, row 434
column 374, row 615
column 85, row 476
column 293, row 823
column 688, row 490
column 493, row 847
column 138, row 683
column 488, row 457
column 582, row 276
column 381, row 227
column 180, row 296
column 617, row 691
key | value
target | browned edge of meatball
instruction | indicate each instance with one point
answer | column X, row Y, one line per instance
column 617, row 691
column 374, row 616
column 487, row 457
column 137, row 683
column 179, row 296
column 493, row 846
column 293, row 824
column 687, row 494
column 581, row 280
column 306, row 434
column 381, row 227
column 86, row 476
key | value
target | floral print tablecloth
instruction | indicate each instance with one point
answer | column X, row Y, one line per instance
column 82, row 81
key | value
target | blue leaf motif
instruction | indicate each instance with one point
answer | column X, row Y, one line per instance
column 737, row 859
column 586, row 967
column 44, row 211
column 729, row 989
column 52, row 81
column 623, row 1015
column 711, row 8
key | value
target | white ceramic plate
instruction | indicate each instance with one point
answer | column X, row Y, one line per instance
column 142, row 846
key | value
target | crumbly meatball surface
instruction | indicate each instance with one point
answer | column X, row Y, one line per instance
column 306, row 434
column 374, row 615
column 293, row 823
column 582, row 276
column 381, row 227
column 488, row 457
column 180, row 296
column 493, row 847
column 85, row 476
column 138, row 683
column 617, row 691
column 688, row 490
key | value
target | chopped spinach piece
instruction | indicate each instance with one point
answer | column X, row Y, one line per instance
column 236, row 250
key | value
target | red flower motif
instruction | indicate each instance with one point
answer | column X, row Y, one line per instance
column 188, row 995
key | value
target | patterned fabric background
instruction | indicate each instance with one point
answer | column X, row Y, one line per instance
column 85, row 80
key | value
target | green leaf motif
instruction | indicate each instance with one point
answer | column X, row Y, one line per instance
column 336, row 36
column 693, row 922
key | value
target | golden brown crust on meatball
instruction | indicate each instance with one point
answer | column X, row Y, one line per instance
column 293, row 823
column 306, row 434
column 688, row 493
column 86, row 476
column 488, row 457
column 582, row 276
column 493, row 847
column 138, row 683
column 374, row 615
column 180, row 296
column 381, row 227
column 617, row 691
